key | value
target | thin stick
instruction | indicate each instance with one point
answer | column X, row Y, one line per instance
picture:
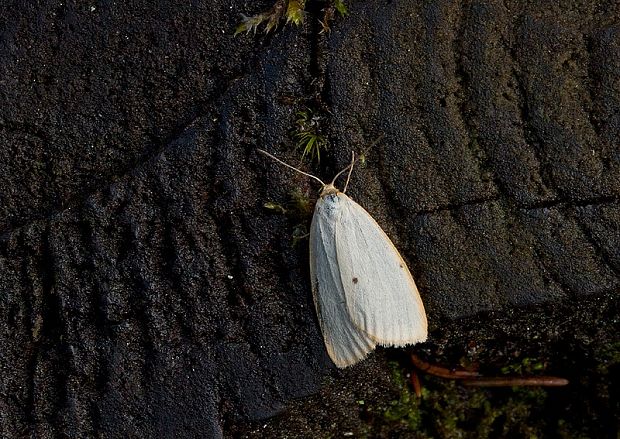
column 442, row 372
column 415, row 382
column 544, row 381
column 475, row 380
column 289, row 166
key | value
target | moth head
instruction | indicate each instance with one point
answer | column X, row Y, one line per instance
column 328, row 189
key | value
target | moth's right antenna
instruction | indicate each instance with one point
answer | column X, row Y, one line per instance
column 373, row 144
column 289, row 166
column 354, row 160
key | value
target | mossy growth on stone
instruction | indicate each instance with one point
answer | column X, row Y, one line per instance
column 291, row 11
column 448, row 410
column 298, row 209
column 375, row 399
column 307, row 134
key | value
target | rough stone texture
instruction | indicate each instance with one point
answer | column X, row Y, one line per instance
column 145, row 291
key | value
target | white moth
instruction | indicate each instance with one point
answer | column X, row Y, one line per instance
column 363, row 291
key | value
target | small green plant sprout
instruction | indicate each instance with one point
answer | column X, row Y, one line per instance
column 527, row 366
column 341, row 8
column 329, row 12
column 299, row 234
column 298, row 208
column 295, row 12
column 301, row 204
column 361, row 159
column 307, row 135
column 406, row 410
column 292, row 11
column 275, row 207
column 301, row 208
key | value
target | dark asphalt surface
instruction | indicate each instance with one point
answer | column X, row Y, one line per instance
column 144, row 289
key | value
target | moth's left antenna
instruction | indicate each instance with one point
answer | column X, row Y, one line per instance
column 289, row 166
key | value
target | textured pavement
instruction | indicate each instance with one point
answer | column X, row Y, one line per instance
column 144, row 289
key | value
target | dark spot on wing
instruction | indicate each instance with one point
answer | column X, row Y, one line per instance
column 354, row 280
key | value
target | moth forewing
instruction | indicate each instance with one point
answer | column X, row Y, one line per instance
column 345, row 343
column 381, row 295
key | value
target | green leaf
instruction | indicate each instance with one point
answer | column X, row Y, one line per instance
column 341, row 8
column 295, row 12
column 250, row 23
column 275, row 207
